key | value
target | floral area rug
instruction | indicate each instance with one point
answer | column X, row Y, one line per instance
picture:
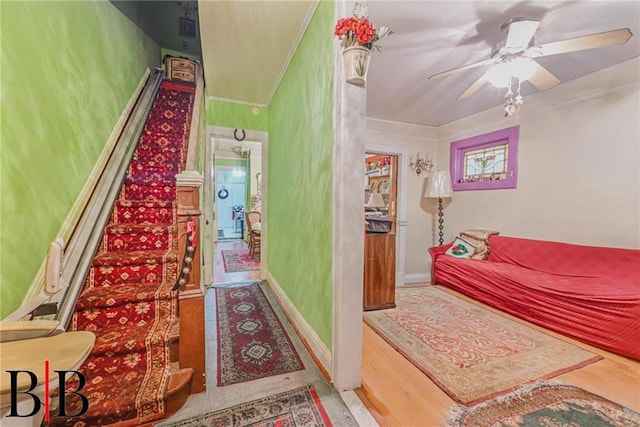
column 471, row 353
column 252, row 343
column 300, row 408
column 127, row 299
column 544, row 404
column 236, row 261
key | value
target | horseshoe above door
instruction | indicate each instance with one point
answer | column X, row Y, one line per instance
column 235, row 135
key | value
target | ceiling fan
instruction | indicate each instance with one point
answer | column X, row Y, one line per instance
column 515, row 57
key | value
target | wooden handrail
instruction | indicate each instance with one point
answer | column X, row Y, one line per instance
column 86, row 238
column 194, row 131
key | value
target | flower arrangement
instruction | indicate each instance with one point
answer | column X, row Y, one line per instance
column 357, row 30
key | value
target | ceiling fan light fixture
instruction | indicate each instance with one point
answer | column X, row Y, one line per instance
column 499, row 75
column 523, row 68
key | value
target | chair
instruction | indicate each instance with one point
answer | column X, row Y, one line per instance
column 26, row 344
column 24, row 347
column 254, row 231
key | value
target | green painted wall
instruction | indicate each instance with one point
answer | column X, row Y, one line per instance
column 68, row 70
column 236, row 116
column 300, row 175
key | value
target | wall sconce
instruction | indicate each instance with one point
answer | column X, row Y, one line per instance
column 421, row 164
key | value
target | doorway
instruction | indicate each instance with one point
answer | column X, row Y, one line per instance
column 231, row 193
column 380, row 174
column 397, row 202
column 224, row 157
column 381, row 177
column 237, row 163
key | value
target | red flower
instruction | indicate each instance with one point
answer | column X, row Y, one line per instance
column 365, row 31
column 358, row 30
column 343, row 26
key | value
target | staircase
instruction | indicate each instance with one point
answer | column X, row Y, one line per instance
column 132, row 377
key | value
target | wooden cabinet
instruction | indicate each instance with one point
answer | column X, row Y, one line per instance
column 379, row 271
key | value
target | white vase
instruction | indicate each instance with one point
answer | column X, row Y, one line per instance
column 356, row 64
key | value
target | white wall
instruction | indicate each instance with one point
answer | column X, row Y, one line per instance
column 579, row 168
column 579, row 165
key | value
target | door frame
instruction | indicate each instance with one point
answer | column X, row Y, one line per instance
column 213, row 133
column 401, row 196
column 209, row 217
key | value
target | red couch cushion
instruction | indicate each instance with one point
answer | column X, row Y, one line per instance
column 568, row 259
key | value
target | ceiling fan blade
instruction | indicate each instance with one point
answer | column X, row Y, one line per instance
column 520, row 34
column 473, row 88
column 592, row 41
column 542, row 78
column 462, row 68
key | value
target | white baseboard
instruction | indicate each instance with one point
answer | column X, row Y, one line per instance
column 319, row 349
column 417, row 278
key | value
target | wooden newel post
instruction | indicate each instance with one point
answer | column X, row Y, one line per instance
column 191, row 295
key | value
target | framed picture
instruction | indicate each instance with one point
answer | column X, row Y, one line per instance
column 188, row 27
column 485, row 162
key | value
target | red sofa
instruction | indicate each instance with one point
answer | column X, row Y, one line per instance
column 585, row 292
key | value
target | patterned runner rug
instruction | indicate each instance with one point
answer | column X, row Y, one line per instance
column 300, row 407
column 252, row 343
column 545, row 404
column 236, row 261
column 127, row 299
column 471, row 353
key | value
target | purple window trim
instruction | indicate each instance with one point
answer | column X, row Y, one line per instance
column 510, row 136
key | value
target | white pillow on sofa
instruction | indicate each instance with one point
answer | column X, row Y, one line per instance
column 461, row 249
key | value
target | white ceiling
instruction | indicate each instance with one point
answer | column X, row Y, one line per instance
column 247, row 45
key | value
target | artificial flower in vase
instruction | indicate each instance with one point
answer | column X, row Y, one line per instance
column 359, row 36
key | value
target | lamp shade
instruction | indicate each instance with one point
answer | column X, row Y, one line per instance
column 439, row 185
column 375, row 201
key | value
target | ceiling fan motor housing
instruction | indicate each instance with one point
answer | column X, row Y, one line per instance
column 507, row 24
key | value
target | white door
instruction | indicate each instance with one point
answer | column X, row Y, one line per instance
column 231, row 198
column 208, row 220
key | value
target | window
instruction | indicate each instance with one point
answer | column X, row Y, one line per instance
column 485, row 162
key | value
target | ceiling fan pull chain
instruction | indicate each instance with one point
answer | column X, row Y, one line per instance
column 519, row 100
column 509, row 109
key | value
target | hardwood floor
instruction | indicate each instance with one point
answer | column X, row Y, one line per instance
column 398, row 394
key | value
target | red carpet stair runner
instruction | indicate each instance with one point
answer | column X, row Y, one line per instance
column 127, row 299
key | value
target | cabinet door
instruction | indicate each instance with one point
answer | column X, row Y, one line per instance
column 379, row 271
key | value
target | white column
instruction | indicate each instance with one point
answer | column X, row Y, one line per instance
column 348, row 222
